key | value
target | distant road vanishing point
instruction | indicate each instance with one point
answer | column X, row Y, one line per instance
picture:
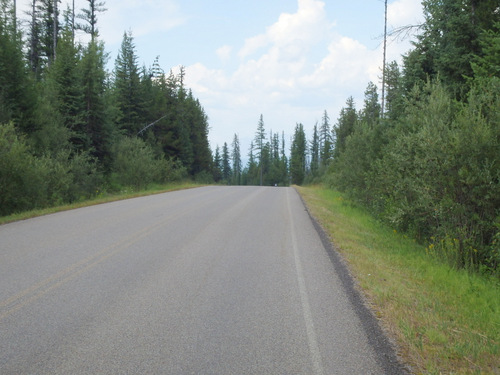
column 213, row 280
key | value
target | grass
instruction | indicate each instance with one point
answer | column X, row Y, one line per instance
column 444, row 321
column 102, row 198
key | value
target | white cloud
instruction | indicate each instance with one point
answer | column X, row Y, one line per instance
column 404, row 12
column 224, row 53
column 348, row 63
column 253, row 44
column 149, row 16
column 292, row 34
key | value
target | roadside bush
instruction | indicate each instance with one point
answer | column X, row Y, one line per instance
column 18, row 173
column 134, row 163
column 351, row 172
column 440, row 177
column 169, row 170
column 29, row 182
column 86, row 180
column 434, row 174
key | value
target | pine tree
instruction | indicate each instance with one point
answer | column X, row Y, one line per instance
column 314, row 151
column 236, row 159
column 199, row 137
column 487, row 64
column 17, row 93
column 127, row 87
column 166, row 104
column 394, row 92
column 260, row 137
column 345, row 126
column 48, row 14
column 34, row 34
column 284, row 162
column 66, row 82
column 371, row 111
column 325, row 140
column 217, row 169
column 449, row 41
column 89, row 16
column 251, row 175
column 298, row 155
column 226, row 165
column 98, row 127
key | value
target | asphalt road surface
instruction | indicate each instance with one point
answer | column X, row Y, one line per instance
column 214, row 280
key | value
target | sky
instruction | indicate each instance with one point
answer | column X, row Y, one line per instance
column 289, row 60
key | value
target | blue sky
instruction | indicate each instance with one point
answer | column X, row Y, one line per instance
column 288, row 60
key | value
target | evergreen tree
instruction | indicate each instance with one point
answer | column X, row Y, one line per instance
column 298, row 155
column 98, row 127
column 487, row 64
column 217, row 169
column 34, row 34
column 449, row 41
column 325, row 140
column 394, row 92
column 251, row 175
column 89, row 16
column 345, row 126
column 17, row 93
column 127, row 88
column 66, row 82
column 260, row 137
column 202, row 156
column 226, row 164
column 183, row 128
column 265, row 165
column 47, row 11
column 70, row 19
column 371, row 111
column 284, row 162
column 166, row 103
column 236, row 159
column 314, row 151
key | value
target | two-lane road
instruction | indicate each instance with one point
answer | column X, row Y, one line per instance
column 215, row 280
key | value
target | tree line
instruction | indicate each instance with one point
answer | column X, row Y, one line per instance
column 271, row 162
column 70, row 129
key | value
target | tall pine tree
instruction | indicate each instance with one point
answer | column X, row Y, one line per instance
column 260, row 137
column 127, row 88
column 325, row 140
column 345, row 126
column 298, row 155
column 236, row 159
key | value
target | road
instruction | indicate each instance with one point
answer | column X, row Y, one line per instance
column 214, row 280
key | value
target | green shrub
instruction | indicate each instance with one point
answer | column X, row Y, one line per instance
column 170, row 170
column 134, row 163
column 436, row 174
column 18, row 172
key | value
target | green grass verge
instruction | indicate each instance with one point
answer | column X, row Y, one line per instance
column 445, row 321
column 102, row 198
